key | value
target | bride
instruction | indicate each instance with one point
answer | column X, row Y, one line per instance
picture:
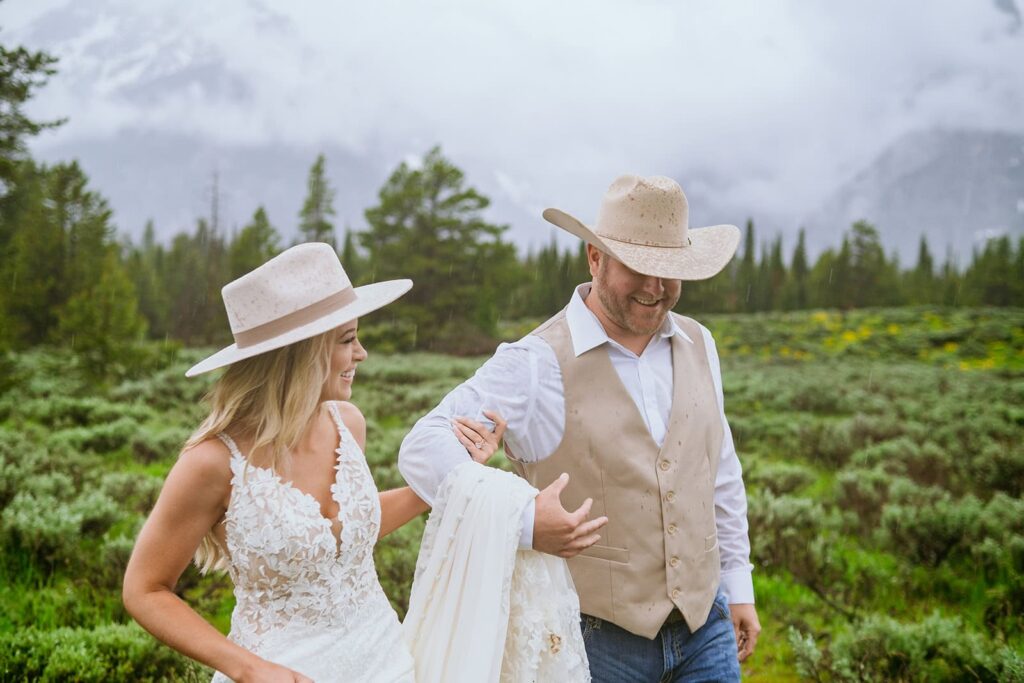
column 273, row 487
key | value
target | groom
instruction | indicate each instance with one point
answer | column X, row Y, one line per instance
column 626, row 398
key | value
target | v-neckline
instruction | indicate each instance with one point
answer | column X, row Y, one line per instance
column 305, row 495
column 676, row 394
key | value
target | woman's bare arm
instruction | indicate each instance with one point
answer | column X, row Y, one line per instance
column 190, row 504
column 397, row 508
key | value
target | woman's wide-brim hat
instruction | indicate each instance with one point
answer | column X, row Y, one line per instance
column 644, row 223
column 300, row 293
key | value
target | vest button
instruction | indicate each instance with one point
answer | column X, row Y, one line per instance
column 670, row 496
column 674, row 562
column 664, row 465
column 676, row 593
column 672, row 528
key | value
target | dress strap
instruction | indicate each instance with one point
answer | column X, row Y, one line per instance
column 232, row 446
column 332, row 406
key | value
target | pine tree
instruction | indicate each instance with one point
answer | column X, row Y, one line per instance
column 921, row 283
column 989, row 279
column 797, row 290
column 950, row 282
column 776, row 281
column 60, row 237
column 33, row 264
column 428, row 225
column 1018, row 275
column 101, row 323
column 747, row 274
column 351, row 259
column 145, row 267
column 256, row 244
column 21, row 72
column 318, row 206
column 867, row 264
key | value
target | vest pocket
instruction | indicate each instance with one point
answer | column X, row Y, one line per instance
column 710, row 542
column 607, row 552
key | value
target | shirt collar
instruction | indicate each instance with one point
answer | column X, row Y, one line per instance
column 586, row 330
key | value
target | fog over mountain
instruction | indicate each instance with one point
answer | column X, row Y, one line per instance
column 910, row 115
column 958, row 187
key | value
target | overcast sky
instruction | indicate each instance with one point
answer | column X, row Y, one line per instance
column 766, row 105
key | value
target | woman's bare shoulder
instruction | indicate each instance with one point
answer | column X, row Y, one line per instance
column 209, row 460
column 354, row 420
column 350, row 413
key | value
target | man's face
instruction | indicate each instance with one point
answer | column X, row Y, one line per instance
column 636, row 303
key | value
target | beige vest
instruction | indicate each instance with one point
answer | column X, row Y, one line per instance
column 659, row 549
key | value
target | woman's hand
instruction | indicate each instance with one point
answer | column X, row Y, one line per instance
column 268, row 672
column 481, row 442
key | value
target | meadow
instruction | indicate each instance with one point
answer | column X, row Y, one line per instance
column 883, row 452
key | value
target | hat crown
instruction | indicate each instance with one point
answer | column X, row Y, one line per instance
column 650, row 211
column 293, row 280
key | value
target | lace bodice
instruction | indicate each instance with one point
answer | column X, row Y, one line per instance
column 287, row 566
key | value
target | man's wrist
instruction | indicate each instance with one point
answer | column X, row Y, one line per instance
column 738, row 586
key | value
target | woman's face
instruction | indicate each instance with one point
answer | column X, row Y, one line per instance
column 346, row 354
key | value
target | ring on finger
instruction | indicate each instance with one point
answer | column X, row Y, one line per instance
column 479, row 444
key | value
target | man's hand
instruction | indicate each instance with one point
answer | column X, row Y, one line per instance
column 557, row 531
column 747, row 628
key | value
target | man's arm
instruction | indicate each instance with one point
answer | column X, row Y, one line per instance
column 731, row 522
column 509, row 384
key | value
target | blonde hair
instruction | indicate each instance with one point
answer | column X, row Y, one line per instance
column 272, row 397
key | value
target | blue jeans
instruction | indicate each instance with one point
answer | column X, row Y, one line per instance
column 675, row 654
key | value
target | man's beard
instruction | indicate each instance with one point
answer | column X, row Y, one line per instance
column 618, row 309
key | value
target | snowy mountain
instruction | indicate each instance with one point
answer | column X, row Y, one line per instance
column 958, row 187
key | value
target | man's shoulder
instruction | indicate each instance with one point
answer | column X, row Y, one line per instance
column 688, row 324
column 512, row 361
column 526, row 349
column 547, row 324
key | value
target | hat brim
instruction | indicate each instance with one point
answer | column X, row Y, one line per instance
column 709, row 251
column 368, row 299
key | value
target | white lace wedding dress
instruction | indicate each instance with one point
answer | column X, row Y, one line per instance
column 302, row 599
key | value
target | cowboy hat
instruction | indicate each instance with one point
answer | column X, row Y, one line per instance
column 643, row 222
column 298, row 294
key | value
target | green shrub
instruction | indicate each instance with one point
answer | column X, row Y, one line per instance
column 134, row 491
column 113, row 652
column 931, row 533
column 21, row 460
column 827, row 444
column 61, row 412
column 150, row 445
column 934, row 650
column 863, row 493
column 780, row 477
column 782, row 528
column 98, row 438
column 41, row 527
column 50, row 528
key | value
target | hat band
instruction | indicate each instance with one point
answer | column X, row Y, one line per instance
column 644, row 243
column 303, row 316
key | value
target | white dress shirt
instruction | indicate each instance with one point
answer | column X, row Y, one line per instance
column 522, row 382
